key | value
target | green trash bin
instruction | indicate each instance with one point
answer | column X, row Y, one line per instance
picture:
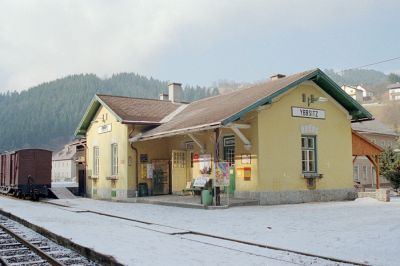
column 143, row 190
column 206, row 197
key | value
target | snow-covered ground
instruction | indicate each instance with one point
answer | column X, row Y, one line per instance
column 364, row 230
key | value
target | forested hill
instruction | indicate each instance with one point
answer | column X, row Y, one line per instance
column 46, row 116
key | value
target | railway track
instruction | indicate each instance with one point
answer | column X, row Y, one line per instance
column 21, row 246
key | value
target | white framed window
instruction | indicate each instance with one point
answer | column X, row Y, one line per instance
column 308, row 154
column 356, row 173
column 365, row 171
column 179, row 160
column 189, row 145
column 114, row 159
column 229, row 149
column 96, row 160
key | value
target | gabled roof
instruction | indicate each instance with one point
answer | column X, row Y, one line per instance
column 394, row 86
column 373, row 126
column 128, row 110
column 66, row 153
column 223, row 109
column 361, row 146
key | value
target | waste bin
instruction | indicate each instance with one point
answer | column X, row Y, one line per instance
column 206, row 197
column 143, row 190
column 232, row 180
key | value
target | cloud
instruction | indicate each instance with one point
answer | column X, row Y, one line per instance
column 45, row 39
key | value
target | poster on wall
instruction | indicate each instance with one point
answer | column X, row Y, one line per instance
column 205, row 164
column 143, row 172
column 144, row 158
column 200, row 181
column 150, row 171
column 222, row 174
column 246, row 158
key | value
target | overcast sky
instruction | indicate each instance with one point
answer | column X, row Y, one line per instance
column 194, row 42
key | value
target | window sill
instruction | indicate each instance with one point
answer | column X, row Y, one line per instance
column 112, row 177
column 93, row 177
column 312, row 175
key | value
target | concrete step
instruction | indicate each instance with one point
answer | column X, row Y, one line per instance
column 62, row 193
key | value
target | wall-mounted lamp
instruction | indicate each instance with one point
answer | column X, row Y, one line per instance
column 311, row 99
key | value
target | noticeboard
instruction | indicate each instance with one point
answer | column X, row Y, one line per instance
column 222, row 174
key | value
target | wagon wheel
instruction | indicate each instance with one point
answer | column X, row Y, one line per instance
column 35, row 196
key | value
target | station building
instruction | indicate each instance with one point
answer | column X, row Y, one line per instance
column 289, row 140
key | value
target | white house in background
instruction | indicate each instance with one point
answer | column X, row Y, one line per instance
column 63, row 165
column 358, row 92
column 366, row 93
column 394, row 91
column 354, row 92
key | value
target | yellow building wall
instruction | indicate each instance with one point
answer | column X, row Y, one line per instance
column 275, row 152
column 102, row 186
column 280, row 143
column 157, row 149
column 163, row 148
column 247, row 177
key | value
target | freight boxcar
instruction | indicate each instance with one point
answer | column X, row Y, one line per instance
column 26, row 173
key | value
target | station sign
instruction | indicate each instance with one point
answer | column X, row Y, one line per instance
column 308, row 113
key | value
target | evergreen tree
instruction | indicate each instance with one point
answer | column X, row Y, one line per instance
column 388, row 161
column 393, row 78
column 394, row 177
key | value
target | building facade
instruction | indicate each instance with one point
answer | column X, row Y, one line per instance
column 287, row 141
column 69, row 163
column 355, row 92
column 380, row 134
column 394, row 92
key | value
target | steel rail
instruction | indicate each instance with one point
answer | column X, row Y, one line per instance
column 3, row 262
column 32, row 247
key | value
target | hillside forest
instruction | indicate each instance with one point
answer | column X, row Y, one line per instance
column 47, row 115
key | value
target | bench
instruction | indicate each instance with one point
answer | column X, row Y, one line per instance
column 190, row 188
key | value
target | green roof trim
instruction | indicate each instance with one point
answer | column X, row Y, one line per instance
column 327, row 84
column 90, row 113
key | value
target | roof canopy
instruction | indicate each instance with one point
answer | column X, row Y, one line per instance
column 374, row 127
column 363, row 147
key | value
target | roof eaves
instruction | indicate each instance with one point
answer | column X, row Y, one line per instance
column 360, row 113
column 181, row 131
column 375, row 132
column 119, row 119
column 91, row 112
column 141, row 122
column 81, row 129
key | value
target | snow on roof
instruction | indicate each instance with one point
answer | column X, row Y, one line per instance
column 373, row 126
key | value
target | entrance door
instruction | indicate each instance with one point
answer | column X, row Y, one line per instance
column 82, row 182
column 179, row 170
column 189, row 165
column 160, row 177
